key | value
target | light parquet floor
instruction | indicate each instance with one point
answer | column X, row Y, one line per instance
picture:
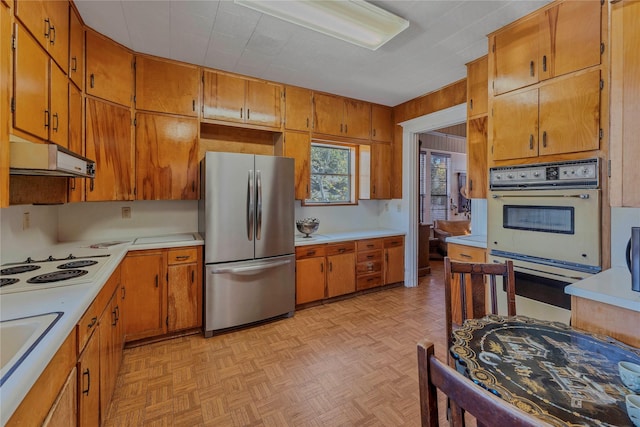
column 348, row 363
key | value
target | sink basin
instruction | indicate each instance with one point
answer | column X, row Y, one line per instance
column 164, row 239
column 18, row 337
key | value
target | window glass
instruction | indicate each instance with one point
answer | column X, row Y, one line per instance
column 332, row 174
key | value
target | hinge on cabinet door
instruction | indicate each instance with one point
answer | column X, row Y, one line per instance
column 13, row 41
column 609, row 168
column 13, row 105
column 601, row 84
column 134, row 122
column 601, row 134
column 601, row 48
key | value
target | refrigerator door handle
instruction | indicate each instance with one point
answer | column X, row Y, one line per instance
column 250, row 208
column 259, row 205
column 250, row 269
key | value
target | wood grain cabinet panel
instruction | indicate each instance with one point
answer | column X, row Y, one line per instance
column 477, row 87
column 310, row 279
column 109, row 143
column 109, row 70
column 48, row 21
column 462, row 253
column 166, row 157
column 89, row 383
column 76, row 140
column 64, row 412
column 184, row 297
column 477, row 184
column 381, row 171
column 297, row 108
column 297, row 145
column 357, row 119
column 381, row 123
column 167, row 87
column 76, row 49
column 59, row 107
column 334, row 115
column 393, row 260
column 263, row 104
column 341, row 278
column 515, row 125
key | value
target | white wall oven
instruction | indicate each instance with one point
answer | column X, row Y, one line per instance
column 546, row 218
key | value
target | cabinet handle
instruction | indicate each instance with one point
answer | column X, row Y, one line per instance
column 92, row 80
column 73, row 183
column 386, row 257
column 470, row 184
column 374, row 189
column 322, row 268
column 307, row 122
column 46, row 118
column 193, row 104
column 330, row 266
column 345, row 129
column 88, row 374
column 544, row 63
column 124, row 291
column 91, row 184
column 241, row 113
column 47, row 28
column 374, row 132
column 544, row 138
column 248, row 114
column 74, row 61
column 340, row 127
column 182, row 257
column 341, row 250
column 369, row 256
column 114, row 318
column 471, row 104
column 193, row 276
column 370, row 245
column 532, row 68
column 56, row 122
column 52, row 35
column 94, row 320
column 156, row 280
column 371, row 279
column 465, row 256
column 309, row 253
column 531, row 142
column 117, row 313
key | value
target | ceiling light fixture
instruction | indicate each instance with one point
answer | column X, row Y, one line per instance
column 354, row 21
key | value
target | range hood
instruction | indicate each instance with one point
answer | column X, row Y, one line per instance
column 28, row 158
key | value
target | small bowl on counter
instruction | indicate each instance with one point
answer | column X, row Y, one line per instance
column 307, row 226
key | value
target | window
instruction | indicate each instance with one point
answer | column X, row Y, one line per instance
column 332, row 174
column 439, row 173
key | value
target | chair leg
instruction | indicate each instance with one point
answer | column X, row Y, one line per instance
column 455, row 414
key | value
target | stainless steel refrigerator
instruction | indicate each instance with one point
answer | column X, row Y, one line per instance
column 246, row 215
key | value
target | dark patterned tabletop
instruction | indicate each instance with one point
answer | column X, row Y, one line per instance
column 561, row 375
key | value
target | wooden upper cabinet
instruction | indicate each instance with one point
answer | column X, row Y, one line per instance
column 166, row 157
column 235, row 99
column 109, row 70
column 334, row 115
column 297, row 108
column 477, row 87
column 76, row 49
column 59, row 105
column 515, row 125
column 380, row 171
column 31, row 86
column 381, row 123
column 108, row 142
column 167, row 87
column 298, row 146
column 48, row 21
column 555, row 41
column 76, row 140
column 477, row 158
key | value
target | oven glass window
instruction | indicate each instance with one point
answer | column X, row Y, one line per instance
column 550, row 219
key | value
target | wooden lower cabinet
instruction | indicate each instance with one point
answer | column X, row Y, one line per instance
column 369, row 267
column 184, row 289
column 600, row 318
column 310, row 273
column 89, row 382
column 462, row 253
column 64, row 412
column 341, row 262
column 393, row 260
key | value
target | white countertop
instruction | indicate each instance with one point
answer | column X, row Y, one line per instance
column 72, row 301
column 317, row 239
column 475, row 240
column 611, row 287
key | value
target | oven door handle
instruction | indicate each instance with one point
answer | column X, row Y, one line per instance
column 542, row 273
column 528, row 196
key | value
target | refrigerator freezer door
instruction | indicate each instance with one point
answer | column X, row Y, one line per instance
column 229, row 198
column 274, row 206
column 240, row 293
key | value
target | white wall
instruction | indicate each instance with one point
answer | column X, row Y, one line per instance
column 334, row 219
column 622, row 219
column 16, row 243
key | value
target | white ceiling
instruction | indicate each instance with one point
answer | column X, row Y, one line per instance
column 431, row 53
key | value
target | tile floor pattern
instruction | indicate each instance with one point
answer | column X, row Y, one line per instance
column 348, row 363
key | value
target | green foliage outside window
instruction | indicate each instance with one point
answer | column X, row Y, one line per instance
column 330, row 174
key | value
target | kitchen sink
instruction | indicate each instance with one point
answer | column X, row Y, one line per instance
column 18, row 337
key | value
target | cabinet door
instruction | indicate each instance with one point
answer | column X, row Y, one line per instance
column 380, row 171
column 297, row 108
column 357, row 119
column 570, row 115
column 59, row 121
column 477, row 158
column 166, row 157
column 76, row 141
column 298, row 146
column 58, row 47
column 569, row 38
column 167, row 87
column 515, row 55
column 184, row 292
column 327, row 114
column 89, row 383
column 31, row 86
column 515, row 125
column 341, row 274
column 223, row 97
column 310, row 279
column 381, row 123
column 33, row 16
column 263, row 104
column 108, row 142
column 107, row 345
column 462, row 253
column 477, row 87
column 394, row 265
column 76, row 50
column 64, row 412
column 144, row 278
column 109, row 70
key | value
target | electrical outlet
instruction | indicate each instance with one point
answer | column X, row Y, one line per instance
column 26, row 221
column 126, row 212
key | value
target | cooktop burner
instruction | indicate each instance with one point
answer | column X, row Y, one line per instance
column 18, row 269
column 78, row 264
column 11, row 281
column 56, row 276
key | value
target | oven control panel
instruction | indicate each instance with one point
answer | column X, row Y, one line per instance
column 568, row 174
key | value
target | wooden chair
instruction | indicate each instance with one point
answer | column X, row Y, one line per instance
column 488, row 409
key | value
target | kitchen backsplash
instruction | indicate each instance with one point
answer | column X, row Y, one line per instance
column 366, row 214
column 20, row 236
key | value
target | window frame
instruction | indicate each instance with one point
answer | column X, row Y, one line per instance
column 353, row 173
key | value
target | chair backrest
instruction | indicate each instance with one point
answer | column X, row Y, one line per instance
column 488, row 409
column 472, row 284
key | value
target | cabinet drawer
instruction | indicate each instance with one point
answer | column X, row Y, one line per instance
column 369, row 244
column 341, row 248
column 393, row 242
column 369, row 256
column 368, row 267
column 182, row 256
column 368, row 281
column 465, row 253
column 303, row 252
